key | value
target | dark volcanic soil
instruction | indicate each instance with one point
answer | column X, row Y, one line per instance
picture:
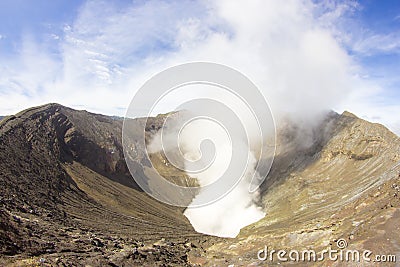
column 67, row 197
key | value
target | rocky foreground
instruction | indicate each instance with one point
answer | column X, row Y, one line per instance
column 67, row 198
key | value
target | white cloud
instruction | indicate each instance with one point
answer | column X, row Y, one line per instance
column 26, row 77
column 293, row 52
column 378, row 43
column 297, row 63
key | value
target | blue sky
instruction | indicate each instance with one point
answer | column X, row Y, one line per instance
column 381, row 18
column 95, row 54
column 36, row 18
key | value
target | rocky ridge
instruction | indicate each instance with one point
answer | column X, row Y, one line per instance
column 67, row 197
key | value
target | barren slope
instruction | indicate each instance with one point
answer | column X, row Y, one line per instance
column 346, row 185
column 65, row 190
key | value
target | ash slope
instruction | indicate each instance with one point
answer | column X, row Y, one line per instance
column 66, row 195
column 345, row 185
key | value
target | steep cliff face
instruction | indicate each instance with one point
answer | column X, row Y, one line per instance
column 67, row 195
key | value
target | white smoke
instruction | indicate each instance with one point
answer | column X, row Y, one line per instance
column 238, row 208
column 291, row 53
column 226, row 140
column 226, row 216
